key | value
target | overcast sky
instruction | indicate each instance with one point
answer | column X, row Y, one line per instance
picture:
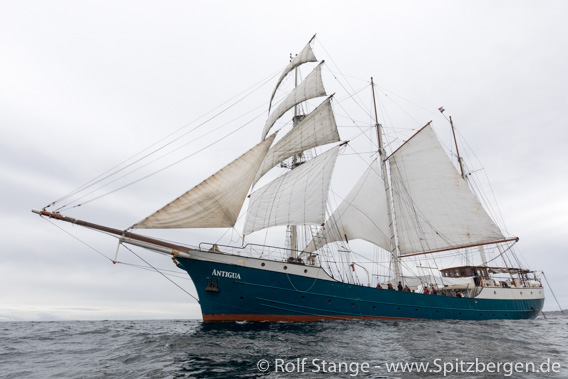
column 86, row 85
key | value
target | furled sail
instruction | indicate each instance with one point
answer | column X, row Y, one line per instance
column 311, row 87
column 318, row 128
column 305, row 56
column 434, row 206
column 215, row 202
column 363, row 214
column 296, row 198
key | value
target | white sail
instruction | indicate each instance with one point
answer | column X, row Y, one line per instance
column 318, row 128
column 434, row 206
column 311, row 87
column 296, row 198
column 363, row 214
column 305, row 56
column 215, row 202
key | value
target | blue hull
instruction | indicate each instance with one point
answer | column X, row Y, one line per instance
column 251, row 294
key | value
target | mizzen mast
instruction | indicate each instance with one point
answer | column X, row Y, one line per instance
column 457, row 149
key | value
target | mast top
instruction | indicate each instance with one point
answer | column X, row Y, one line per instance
column 457, row 149
column 377, row 125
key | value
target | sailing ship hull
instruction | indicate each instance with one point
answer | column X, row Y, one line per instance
column 235, row 288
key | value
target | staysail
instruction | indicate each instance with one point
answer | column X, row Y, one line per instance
column 310, row 88
column 318, row 128
column 363, row 214
column 296, row 198
column 305, row 56
column 215, row 202
column 434, row 206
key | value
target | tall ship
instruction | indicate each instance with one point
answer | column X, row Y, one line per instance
column 409, row 239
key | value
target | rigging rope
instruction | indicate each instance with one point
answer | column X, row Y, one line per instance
column 552, row 292
column 78, row 239
column 117, row 169
column 165, row 167
column 340, row 83
column 124, row 263
column 159, row 272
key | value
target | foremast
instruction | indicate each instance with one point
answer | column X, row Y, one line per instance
column 297, row 198
column 382, row 155
column 294, row 228
column 296, row 161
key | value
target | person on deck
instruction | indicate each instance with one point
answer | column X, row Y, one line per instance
column 406, row 288
column 475, row 277
column 426, row 291
column 379, row 286
column 452, row 293
column 434, row 292
column 390, row 287
column 400, row 288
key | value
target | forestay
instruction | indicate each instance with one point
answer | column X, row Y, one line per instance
column 363, row 214
column 217, row 201
column 318, row 128
column 299, row 197
column 310, row 88
column 434, row 206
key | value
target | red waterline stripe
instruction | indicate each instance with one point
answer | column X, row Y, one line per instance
column 245, row 317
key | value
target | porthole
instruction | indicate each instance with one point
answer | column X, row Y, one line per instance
column 242, row 298
column 495, row 292
column 352, row 304
column 305, row 271
column 329, row 301
column 374, row 307
column 531, row 293
column 263, row 264
column 303, row 297
column 521, row 292
column 285, row 267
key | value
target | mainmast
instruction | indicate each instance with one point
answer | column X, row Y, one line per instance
column 382, row 154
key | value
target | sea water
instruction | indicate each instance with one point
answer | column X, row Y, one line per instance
column 348, row 349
